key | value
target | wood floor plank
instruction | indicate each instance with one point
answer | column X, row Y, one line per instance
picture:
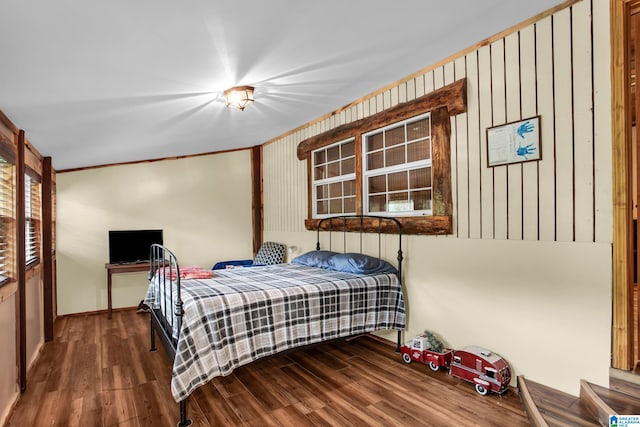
column 100, row 372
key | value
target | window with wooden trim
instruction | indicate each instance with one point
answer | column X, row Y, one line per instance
column 32, row 205
column 334, row 179
column 7, row 219
column 402, row 159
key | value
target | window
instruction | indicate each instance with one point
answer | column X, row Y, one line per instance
column 7, row 220
column 397, row 169
column 32, row 219
column 393, row 163
column 334, row 179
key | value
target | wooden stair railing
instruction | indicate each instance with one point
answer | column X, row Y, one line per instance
column 594, row 404
column 535, row 417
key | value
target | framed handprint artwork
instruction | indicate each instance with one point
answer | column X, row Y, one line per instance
column 514, row 142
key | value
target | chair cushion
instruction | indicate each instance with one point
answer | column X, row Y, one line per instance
column 270, row 253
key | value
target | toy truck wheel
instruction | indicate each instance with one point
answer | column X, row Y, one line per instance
column 433, row 366
column 481, row 390
column 406, row 358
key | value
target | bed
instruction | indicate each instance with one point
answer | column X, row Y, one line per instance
column 210, row 326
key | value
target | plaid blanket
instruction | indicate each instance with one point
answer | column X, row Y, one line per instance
column 241, row 315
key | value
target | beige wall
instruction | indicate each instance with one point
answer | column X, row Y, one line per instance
column 8, row 370
column 527, row 271
column 203, row 204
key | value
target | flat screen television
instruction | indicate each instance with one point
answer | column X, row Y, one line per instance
column 131, row 246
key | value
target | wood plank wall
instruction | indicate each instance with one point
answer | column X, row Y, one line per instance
column 545, row 68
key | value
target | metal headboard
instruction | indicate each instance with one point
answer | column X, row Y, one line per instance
column 383, row 223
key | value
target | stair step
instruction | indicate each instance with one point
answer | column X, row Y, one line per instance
column 624, row 382
column 558, row 409
column 621, row 403
column 603, row 402
column 595, row 404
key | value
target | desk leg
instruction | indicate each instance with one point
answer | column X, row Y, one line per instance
column 109, row 292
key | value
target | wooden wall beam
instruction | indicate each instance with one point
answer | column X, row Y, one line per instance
column 432, row 225
column 441, row 162
column 622, row 322
column 21, row 272
column 48, row 288
column 452, row 96
column 256, row 197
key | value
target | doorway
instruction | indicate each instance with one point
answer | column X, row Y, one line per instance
column 625, row 105
column 633, row 37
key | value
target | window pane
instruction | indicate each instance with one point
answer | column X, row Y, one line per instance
column 420, row 178
column 394, row 136
column 395, row 156
column 418, row 150
column 348, row 166
column 399, row 202
column 321, row 192
column 335, row 189
column 349, row 188
column 333, row 153
column 322, row 207
column 377, row 184
column 333, row 169
column 320, row 173
column 348, row 149
column 374, row 142
column 335, row 206
column 377, row 203
column 375, row 161
column 401, row 196
column 349, row 205
column 421, row 200
column 418, row 129
column 319, row 157
column 398, row 181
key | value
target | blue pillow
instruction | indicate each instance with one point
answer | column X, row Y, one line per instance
column 360, row 264
column 314, row 259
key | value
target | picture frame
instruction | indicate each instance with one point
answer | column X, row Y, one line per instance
column 514, row 142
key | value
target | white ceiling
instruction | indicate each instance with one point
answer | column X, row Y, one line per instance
column 95, row 82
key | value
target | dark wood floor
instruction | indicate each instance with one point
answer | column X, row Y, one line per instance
column 99, row 372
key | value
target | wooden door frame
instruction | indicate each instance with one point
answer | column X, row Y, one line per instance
column 622, row 322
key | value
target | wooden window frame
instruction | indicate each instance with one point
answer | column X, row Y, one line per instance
column 441, row 104
column 340, row 178
column 385, row 170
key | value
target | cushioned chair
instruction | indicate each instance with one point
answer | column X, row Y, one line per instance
column 269, row 253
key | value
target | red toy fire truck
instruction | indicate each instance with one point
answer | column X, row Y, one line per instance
column 420, row 350
column 485, row 369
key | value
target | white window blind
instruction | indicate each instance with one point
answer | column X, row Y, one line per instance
column 6, row 220
column 32, row 219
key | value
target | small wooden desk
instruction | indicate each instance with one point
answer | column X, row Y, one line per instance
column 121, row 268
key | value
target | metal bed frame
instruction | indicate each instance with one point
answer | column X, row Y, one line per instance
column 162, row 259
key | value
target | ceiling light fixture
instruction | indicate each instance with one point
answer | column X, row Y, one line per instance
column 239, row 97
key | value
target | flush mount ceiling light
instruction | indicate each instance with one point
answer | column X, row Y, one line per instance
column 239, row 97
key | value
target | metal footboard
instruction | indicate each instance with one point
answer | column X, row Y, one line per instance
column 167, row 312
